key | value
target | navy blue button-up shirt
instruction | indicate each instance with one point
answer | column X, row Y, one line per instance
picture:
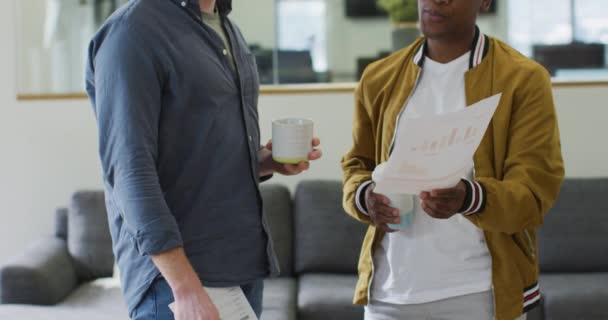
column 178, row 142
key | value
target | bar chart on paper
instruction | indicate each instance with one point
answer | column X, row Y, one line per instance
column 456, row 136
column 435, row 151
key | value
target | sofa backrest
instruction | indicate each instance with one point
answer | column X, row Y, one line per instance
column 279, row 216
column 84, row 225
column 574, row 236
column 312, row 234
column 327, row 240
column 88, row 236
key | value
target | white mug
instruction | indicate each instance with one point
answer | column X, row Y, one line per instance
column 405, row 204
column 291, row 140
column 400, row 201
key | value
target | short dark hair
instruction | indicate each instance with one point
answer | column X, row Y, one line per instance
column 224, row 7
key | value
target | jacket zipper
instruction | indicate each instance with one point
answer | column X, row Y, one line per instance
column 371, row 279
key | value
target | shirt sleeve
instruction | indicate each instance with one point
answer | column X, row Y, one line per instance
column 127, row 97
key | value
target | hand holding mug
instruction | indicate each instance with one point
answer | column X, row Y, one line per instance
column 290, row 169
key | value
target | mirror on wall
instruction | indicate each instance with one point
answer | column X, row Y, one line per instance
column 314, row 41
column 52, row 41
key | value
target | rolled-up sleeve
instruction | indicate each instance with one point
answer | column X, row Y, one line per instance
column 128, row 82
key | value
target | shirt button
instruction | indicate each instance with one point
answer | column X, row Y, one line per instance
column 225, row 52
column 250, row 138
column 183, row 3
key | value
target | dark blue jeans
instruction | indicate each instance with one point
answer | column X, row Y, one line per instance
column 155, row 303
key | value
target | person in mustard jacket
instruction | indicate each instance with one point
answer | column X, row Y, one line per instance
column 471, row 251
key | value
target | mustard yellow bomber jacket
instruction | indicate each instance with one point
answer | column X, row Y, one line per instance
column 518, row 165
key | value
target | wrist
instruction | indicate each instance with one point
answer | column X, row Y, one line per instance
column 267, row 165
column 186, row 287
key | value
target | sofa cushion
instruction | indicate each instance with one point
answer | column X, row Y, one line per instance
column 279, row 299
column 327, row 239
column 89, row 240
column 97, row 300
column 574, row 231
column 536, row 313
column 327, row 296
column 575, row 296
column 279, row 216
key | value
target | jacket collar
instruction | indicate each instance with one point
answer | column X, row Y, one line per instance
column 479, row 49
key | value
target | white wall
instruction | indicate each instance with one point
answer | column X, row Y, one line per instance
column 48, row 149
column 582, row 116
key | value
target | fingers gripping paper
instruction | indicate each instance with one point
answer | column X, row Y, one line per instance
column 433, row 152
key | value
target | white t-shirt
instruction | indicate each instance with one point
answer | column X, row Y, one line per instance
column 433, row 259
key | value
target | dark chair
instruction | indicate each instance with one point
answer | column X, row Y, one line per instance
column 296, row 67
column 570, row 56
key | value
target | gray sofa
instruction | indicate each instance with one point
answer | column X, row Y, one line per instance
column 573, row 252
column 67, row 276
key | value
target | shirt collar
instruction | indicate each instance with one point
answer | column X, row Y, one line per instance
column 188, row 4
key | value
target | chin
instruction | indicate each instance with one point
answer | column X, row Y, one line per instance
column 434, row 33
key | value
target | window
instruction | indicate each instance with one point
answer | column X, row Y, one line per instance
column 302, row 26
column 591, row 21
column 553, row 22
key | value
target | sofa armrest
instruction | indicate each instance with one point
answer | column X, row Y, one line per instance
column 42, row 275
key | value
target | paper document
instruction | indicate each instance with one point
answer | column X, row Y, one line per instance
column 434, row 152
column 231, row 303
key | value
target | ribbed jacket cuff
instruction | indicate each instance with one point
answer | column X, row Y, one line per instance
column 475, row 200
column 360, row 197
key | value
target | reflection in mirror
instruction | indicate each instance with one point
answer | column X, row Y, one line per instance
column 570, row 42
column 316, row 41
column 53, row 38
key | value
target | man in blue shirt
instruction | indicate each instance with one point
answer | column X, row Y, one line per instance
column 175, row 90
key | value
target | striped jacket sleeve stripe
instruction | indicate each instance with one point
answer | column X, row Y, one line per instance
column 531, row 297
column 360, row 197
